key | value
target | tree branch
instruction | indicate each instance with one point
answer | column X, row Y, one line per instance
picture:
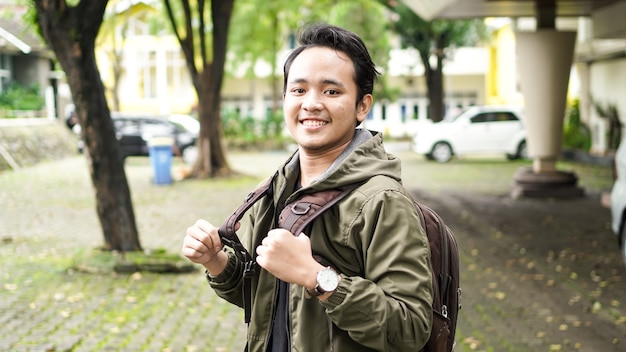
column 186, row 43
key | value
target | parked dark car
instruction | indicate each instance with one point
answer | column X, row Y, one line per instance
column 134, row 133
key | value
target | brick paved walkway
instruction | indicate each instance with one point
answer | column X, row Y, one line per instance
column 538, row 275
column 48, row 215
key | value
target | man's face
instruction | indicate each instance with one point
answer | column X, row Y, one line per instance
column 320, row 105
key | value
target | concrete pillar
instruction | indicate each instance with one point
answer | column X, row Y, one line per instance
column 544, row 63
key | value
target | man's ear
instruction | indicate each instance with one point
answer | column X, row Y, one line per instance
column 363, row 107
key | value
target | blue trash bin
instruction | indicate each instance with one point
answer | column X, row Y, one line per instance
column 160, row 150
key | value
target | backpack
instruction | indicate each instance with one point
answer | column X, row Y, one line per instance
column 300, row 213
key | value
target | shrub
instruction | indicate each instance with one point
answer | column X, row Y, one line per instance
column 576, row 134
column 20, row 97
column 246, row 131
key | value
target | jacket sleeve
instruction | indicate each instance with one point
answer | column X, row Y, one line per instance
column 228, row 283
column 254, row 226
column 388, row 308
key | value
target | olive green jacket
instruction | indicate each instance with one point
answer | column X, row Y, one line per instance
column 373, row 238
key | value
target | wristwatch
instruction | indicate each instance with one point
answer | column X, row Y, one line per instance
column 327, row 281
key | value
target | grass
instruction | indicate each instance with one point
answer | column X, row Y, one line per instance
column 98, row 261
column 489, row 175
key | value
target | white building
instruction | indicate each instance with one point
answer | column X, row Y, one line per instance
column 155, row 79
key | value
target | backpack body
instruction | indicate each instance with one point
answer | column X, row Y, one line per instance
column 444, row 257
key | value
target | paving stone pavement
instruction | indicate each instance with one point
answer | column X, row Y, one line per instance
column 48, row 217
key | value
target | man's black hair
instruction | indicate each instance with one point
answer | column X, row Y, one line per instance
column 329, row 36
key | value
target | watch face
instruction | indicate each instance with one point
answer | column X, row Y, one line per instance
column 327, row 280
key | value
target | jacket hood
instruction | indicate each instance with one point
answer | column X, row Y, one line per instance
column 363, row 158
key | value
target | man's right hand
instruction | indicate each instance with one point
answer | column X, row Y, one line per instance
column 202, row 245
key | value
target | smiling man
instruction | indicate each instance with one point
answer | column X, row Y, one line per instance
column 358, row 278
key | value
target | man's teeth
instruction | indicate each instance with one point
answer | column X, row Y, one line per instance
column 313, row 123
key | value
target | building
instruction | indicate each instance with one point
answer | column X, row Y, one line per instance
column 598, row 74
column 545, row 54
column 154, row 77
column 25, row 60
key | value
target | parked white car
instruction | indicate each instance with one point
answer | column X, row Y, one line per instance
column 475, row 130
column 618, row 198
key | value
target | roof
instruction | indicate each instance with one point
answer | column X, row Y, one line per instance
column 607, row 15
column 429, row 9
column 17, row 37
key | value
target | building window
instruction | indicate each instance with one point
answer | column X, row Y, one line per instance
column 147, row 79
column 403, row 112
column 5, row 72
column 177, row 76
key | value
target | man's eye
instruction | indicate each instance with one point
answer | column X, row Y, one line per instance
column 298, row 90
column 332, row 92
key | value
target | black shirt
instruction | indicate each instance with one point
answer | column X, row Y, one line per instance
column 279, row 338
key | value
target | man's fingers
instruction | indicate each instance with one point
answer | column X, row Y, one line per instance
column 203, row 236
column 204, row 225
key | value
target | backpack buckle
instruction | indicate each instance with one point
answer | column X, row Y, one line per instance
column 300, row 208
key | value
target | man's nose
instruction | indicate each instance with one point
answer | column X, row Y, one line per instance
column 312, row 101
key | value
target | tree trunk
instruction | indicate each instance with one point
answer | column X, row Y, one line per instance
column 207, row 80
column 435, row 92
column 434, row 85
column 276, row 93
column 71, row 33
column 212, row 159
column 210, row 139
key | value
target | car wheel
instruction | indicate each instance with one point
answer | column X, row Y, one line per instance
column 520, row 153
column 442, row 152
column 190, row 154
column 522, row 150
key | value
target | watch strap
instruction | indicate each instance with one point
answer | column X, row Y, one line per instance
column 316, row 291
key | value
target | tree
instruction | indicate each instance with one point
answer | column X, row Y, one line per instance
column 70, row 31
column 364, row 17
column 206, row 68
column 263, row 29
column 433, row 39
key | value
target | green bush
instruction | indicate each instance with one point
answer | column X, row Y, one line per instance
column 20, row 97
column 576, row 134
column 246, row 131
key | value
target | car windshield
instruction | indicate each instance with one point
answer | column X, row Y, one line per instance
column 452, row 114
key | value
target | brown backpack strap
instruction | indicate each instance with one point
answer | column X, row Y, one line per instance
column 227, row 230
column 229, row 238
column 297, row 215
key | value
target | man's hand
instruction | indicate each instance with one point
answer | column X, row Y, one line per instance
column 202, row 245
column 289, row 258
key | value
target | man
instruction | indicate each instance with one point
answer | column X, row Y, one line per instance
column 360, row 278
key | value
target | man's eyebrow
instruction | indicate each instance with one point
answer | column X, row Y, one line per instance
column 298, row 80
column 332, row 82
column 327, row 81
